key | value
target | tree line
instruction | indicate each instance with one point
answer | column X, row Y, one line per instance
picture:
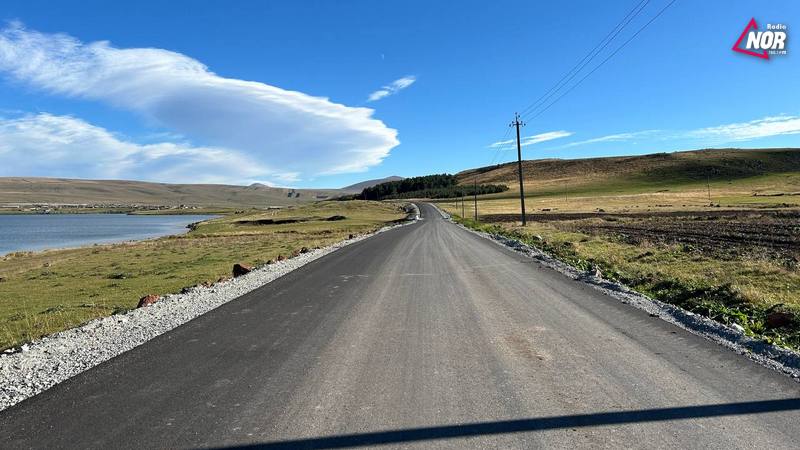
column 429, row 186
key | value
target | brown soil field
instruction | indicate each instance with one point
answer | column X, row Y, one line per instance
column 728, row 232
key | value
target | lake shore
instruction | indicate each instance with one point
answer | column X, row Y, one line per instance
column 45, row 292
column 130, row 210
column 28, row 233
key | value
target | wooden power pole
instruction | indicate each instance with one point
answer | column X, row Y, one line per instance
column 475, row 194
column 517, row 123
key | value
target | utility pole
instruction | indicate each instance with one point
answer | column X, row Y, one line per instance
column 475, row 194
column 463, row 215
column 517, row 123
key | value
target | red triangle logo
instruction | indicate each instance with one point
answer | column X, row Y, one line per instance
column 737, row 46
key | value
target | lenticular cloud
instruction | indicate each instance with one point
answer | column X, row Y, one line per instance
column 287, row 131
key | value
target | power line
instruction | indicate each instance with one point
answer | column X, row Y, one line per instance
column 497, row 152
column 590, row 55
column 569, row 76
column 499, row 149
column 579, row 66
column 599, row 47
column 604, row 61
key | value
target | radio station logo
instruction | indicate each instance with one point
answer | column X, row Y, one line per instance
column 762, row 43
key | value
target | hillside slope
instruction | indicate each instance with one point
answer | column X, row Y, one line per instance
column 667, row 168
column 358, row 187
column 16, row 190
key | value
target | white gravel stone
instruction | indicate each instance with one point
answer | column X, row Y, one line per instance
column 43, row 363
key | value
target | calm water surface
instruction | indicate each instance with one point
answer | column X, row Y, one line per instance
column 41, row 231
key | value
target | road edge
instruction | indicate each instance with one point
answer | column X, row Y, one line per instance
column 58, row 357
column 767, row 355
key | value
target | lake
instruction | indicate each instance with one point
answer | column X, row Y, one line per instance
column 43, row 231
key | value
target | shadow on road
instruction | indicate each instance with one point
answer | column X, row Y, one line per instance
column 533, row 424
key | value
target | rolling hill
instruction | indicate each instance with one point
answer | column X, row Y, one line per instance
column 26, row 190
column 358, row 187
column 669, row 169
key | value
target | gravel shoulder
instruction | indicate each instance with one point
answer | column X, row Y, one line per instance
column 53, row 359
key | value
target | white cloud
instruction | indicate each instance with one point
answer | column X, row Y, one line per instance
column 746, row 131
column 544, row 137
column 710, row 136
column 64, row 146
column 615, row 138
column 502, row 143
column 531, row 140
column 392, row 88
column 288, row 131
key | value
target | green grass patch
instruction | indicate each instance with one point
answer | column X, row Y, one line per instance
column 45, row 292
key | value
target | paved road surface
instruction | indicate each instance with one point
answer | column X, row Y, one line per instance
column 422, row 336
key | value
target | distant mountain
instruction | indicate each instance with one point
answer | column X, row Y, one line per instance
column 26, row 190
column 358, row 187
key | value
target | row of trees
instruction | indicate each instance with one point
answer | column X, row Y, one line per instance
column 429, row 186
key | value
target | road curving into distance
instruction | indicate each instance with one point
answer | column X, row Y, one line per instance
column 425, row 335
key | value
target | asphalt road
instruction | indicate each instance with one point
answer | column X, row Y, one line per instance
column 425, row 336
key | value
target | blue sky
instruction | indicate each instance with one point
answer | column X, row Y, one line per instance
column 327, row 93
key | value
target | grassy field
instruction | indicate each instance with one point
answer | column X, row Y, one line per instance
column 762, row 191
column 648, row 222
column 45, row 292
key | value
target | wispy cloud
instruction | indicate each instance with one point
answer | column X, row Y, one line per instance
column 64, row 146
column 278, row 130
column 392, row 88
column 770, row 126
column 502, row 143
column 531, row 140
column 746, row 131
column 544, row 137
column 621, row 137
